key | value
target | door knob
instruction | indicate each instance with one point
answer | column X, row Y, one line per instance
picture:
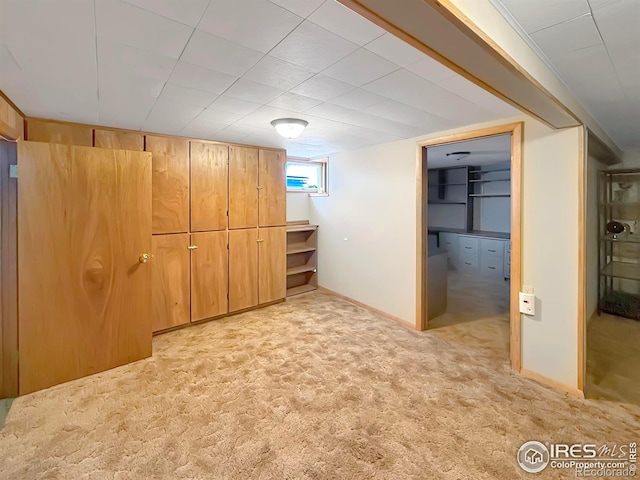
column 192, row 247
column 144, row 258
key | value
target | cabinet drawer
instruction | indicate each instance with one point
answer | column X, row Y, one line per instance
column 448, row 241
column 468, row 243
column 468, row 265
column 492, row 267
column 492, row 248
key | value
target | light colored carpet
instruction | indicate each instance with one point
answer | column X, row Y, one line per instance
column 314, row 388
column 613, row 359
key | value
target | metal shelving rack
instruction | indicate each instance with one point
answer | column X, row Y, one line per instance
column 619, row 254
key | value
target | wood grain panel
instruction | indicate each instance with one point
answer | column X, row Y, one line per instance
column 64, row 133
column 209, row 275
column 8, row 274
column 243, row 187
column 272, row 188
column 243, row 269
column 209, row 186
column 11, row 122
column 170, row 183
column 118, row 139
column 84, row 297
column 171, row 283
column 272, row 262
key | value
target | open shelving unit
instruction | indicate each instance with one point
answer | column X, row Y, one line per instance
column 619, row 253
column 302, row 257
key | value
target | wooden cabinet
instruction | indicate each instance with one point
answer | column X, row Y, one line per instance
column 209, row 282
column 64, row 133
column 302, row 257
column 208, row 186
column 243, row 187
column 272, row 188
column 171, row 281
column 84, row 293
column 272, row 263
column 170, row 178
column 243, row 269
column 117, row 139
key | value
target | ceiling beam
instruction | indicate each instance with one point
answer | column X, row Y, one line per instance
column 442, row 31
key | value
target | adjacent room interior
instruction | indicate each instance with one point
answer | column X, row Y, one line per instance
column 306, row 238
column 469, row 226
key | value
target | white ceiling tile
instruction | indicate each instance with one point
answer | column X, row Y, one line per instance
column 360, row 67
column 184, row 11
column 402, row 113
column 330, row 111
column 342, row 21
column 390, row 47
column 201, row 78
column 252, row 91
column 117, row 21
column 569, row 36
column 322, row 88
column 256, row 24
column 203, row 128
column 187, row 96
column 618, row 24
column 277, row 73
column 312, row 47
column 357, row 99
column 169, row 117
column 234, row 105
column 302, row 8
column 373, row 122
column 598, row 4
column 534, row 16
column 294, row 102
column 218, row 116
column 262, row 117
column 431, row 70
column 218, row 54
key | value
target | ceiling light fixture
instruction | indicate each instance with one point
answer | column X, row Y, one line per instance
column 459, row 155
column 289, row 127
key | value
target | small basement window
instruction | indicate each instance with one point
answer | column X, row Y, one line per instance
column 307, row 175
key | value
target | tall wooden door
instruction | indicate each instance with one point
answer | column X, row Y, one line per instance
column 243, row 269
column 171, row 283
column 272, row 188
column 209, row 186
column 170, row 183
column 272, row 262
column 84, row 217
column 243, row 187
column 209, row 275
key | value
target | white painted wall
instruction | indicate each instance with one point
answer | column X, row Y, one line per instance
column 297, row 206
column 367, row 236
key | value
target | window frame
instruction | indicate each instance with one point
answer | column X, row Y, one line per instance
column 323, row 163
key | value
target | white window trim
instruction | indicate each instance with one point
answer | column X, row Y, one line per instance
column 324, row 172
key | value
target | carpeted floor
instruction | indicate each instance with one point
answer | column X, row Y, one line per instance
column 314, row 388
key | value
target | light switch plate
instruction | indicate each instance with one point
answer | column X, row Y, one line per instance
column 527, row 303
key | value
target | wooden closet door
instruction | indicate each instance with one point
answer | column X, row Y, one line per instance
column 171, row 282
column 117, row 139
column 209, row 186
column 272, row 262
column 273, row 188
column 243, row 187
column 209, row 275
column 170, row 183
column 84, row 293
column 243, row 269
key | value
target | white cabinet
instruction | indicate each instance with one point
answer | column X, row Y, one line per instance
column 476, row 255
column 449, row 241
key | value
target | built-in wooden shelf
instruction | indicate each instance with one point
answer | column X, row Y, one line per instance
column 302, row 257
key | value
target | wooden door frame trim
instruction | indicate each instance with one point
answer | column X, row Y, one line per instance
column 516, row 130
column 582, row 257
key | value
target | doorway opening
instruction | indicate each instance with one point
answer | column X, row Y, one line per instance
column 469, row 235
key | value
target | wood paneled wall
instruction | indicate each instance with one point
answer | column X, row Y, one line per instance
column 11, row 122
column 8, row 274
